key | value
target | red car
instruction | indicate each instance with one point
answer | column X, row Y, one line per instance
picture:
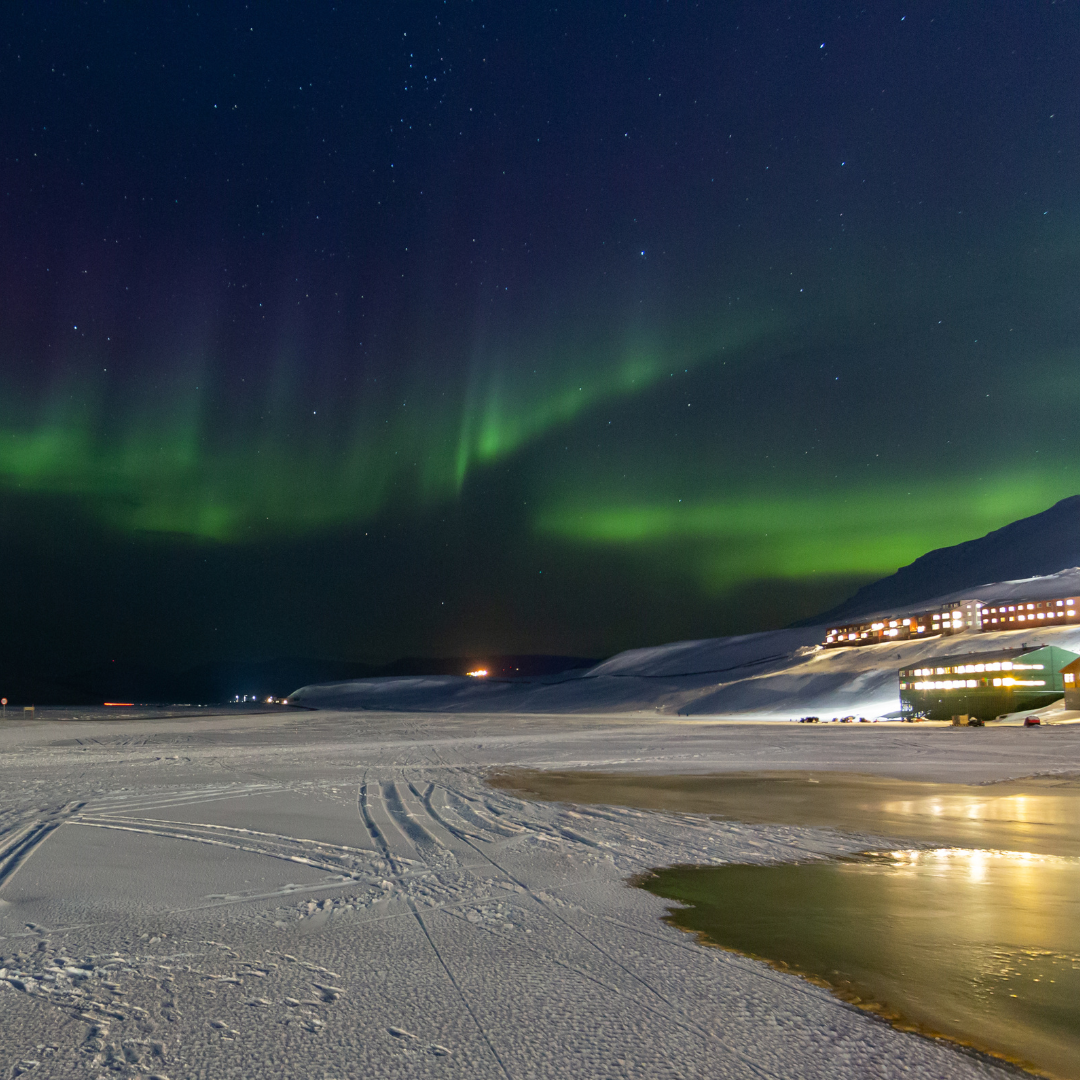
column 1032, row 721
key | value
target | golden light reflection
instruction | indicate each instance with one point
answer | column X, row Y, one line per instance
column 979, row 945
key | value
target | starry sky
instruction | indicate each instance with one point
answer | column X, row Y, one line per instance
column 437, row 328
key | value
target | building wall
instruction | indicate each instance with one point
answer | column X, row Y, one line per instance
column 963, row 615
column 984, row 684
column 1023, row 614
column 973, row 703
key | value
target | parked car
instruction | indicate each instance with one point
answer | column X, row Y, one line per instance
column 1032, row 721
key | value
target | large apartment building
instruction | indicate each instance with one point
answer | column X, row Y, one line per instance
column 950, row 619
column 970, row 614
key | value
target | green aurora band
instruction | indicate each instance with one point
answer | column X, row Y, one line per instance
column 186, row 463
column 868, row 532
column 184, row 455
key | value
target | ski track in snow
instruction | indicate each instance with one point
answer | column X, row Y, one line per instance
column 347, row 898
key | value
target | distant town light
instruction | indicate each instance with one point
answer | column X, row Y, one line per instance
column 479, row 673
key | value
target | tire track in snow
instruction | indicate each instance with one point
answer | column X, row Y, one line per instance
column 368, row 812
column 332, row 858
column 21, row 842
column 671, row 1010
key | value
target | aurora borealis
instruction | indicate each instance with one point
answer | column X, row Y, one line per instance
column 443, row 328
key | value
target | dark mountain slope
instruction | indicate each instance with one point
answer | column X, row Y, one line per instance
column 1042, row 544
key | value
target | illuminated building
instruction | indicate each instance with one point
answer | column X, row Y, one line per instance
column 950, row 619
column 1020, row 614
column 1070, row 675
column 984, row 684
column 986, row 616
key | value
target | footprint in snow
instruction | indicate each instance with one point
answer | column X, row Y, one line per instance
column 434, row 1048
column 329, row 994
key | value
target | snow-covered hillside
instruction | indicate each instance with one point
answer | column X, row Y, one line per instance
column 777, row 675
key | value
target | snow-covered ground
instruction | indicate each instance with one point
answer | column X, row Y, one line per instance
column 339, row 894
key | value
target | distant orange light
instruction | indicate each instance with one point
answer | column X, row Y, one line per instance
column 120, row 704
column 479, row 673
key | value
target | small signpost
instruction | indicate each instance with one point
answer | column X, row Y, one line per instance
column 3, row 701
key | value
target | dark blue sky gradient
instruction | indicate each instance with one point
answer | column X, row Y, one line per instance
column 450, row 327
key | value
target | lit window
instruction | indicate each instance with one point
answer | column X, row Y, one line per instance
column 1041, row 615
column 1060, row 602
column 1070, row 612
column 997, row 682
column 1031, row 607
column 1021, row 617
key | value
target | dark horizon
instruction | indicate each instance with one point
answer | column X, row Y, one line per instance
column 458, row 330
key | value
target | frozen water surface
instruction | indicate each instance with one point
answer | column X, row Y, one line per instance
column 338, row 894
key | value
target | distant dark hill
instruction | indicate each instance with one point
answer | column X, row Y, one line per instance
column 500, row 666
column 1042, row 544
column 220, row 682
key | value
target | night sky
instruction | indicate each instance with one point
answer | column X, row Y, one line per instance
column 437, row 328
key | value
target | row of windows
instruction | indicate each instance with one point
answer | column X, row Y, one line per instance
column 968, row 684
column 1070, row 603
column 1071, row 613
column 970, row 669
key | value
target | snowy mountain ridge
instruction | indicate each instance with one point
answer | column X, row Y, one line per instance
column 778, row 674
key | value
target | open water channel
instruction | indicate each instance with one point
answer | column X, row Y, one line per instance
column 969, row 930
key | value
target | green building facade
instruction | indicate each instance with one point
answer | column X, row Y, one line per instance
column 984, row 684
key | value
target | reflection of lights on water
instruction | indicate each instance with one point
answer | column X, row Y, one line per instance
column 977, row 866
column 1017, row 809
column 976, row 858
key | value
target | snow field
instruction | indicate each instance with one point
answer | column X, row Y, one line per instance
column 341, row 895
